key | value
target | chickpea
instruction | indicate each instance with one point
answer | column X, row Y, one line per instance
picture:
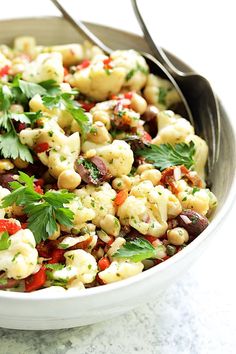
column 68, row 179
column 99, row 134
column 121, row 183
column 17, row 210
column 102, row 116
column 17, row 108
column 56, row 233
column 177, row 236
column 144, row 167
column 5, row 165
column 111, row 225
column 90, row 153
column 21, row 164
column 138, row 103
column 152, row 175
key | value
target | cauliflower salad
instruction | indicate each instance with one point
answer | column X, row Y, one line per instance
column 100, row 178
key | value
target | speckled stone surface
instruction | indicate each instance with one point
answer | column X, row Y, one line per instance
column 196, row 315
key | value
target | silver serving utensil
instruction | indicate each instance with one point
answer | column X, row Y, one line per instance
column 155, row 66
column 197, row 92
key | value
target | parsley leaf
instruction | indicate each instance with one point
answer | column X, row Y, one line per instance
column 166, row 155
column 30, row 89
column 64, row 99
column 5, row 241
column 43, row 211
column 11, row 147
column 136, row 250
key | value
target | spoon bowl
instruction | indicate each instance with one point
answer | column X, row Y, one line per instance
column 198, row 93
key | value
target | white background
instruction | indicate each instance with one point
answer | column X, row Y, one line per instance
column 200, row 311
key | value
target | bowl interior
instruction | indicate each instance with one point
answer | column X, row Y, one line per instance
column 55, row 30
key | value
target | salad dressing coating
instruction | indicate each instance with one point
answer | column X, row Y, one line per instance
column 100, row 177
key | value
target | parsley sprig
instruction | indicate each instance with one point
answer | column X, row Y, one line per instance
column 64, row 99
column 43, row 211
column 136, row 250
column 166, row 155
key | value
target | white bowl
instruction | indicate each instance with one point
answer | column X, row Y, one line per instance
column 44, row 310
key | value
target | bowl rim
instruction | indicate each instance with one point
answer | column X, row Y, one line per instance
column 141, row 277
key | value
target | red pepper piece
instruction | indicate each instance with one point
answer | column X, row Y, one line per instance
column 151, row 239
column 103, row 263
column 41, row 147
column 9, row 226
column 39, row 182
column 57, row 256
column 4, row 71
column 87, row 105
column 128, row 95
column 121, row 197
column 85, row 63
column 36, row 281
column 38, row 189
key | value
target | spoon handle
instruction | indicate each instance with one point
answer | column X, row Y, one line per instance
column 157, row 51
column 85, row 32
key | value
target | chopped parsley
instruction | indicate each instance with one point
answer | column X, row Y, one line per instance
column 133, row 71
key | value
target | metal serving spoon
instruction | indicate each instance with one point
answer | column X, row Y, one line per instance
column 155, row 66
column 197, row 92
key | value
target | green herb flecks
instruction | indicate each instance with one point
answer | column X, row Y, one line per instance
column 133, row 71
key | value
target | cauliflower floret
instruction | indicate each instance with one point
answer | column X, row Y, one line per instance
column 160, row 92
column 45, row 67
column 97, row 82
column 117, row 156
column 63, row 150
column 120, row 270
column 135, row 66
column 4, row 61
column 172, row 128
column 3, row 193
column 89, row 241
column 26, row 45
column 81, row 213
column 200, row 156
column 142, row 216
column 20, row 259
column 153, row 206
column 98, row 199
column 74, row 53
column 201, row 200
column 80, row 266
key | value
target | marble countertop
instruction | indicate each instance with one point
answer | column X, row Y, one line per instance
column 196, row 315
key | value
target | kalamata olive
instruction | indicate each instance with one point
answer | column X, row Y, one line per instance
column 150, row 113
column 10, row 283
column 193, row 222
column 92, row 170
column 135, row 142
column 5, row 179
